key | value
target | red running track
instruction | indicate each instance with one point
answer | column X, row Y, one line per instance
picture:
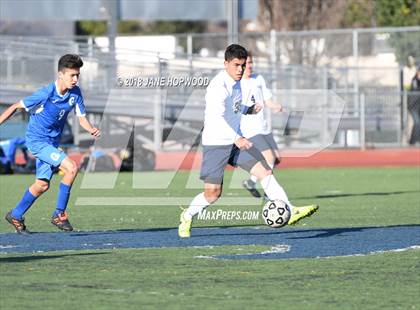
column 298, row 159
column 303, row 159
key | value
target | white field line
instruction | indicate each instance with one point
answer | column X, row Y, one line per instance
column 158, row 201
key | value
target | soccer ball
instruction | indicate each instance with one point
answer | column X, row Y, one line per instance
column 276, row 213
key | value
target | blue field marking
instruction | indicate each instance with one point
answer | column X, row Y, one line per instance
column 300, row 243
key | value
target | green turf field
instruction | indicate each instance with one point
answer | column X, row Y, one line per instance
column 175, row 278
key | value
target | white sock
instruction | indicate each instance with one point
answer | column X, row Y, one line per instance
column 197, row 205
column 274, row 190
column 253, row 178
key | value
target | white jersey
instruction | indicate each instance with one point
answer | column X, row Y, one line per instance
column 223, row 113
column 254, row 91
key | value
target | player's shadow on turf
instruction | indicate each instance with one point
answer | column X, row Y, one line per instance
column 319, row 232
column 24, row 259
column 119, row 231
column 358, row 194
column 329, row 232
column 134, row 230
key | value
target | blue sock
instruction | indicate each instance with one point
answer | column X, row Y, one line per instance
column 24, row 204
column 63, row 198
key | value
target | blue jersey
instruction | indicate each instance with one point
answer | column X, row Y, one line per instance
column 49, row 110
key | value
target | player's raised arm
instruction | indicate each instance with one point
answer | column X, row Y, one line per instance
column 10, row 111
column 268, row 96
column 83, row 121
column 274, row 106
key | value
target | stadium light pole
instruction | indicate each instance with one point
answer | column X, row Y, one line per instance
column 110, row 11
column 233, row 20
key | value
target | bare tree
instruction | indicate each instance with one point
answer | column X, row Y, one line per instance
column 301, row 14
column 296, row 15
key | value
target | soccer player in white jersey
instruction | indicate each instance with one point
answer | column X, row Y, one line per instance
column 224, row 144
column 255, row 127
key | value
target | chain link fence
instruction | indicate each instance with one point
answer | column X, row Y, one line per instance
column 360, row 67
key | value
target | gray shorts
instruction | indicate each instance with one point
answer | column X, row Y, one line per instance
column 264, row 142
column 217, row 157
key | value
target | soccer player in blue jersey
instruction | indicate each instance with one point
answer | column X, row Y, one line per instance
column 49, row 108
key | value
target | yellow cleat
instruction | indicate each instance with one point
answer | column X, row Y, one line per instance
column 300, row 213
column 184, row 228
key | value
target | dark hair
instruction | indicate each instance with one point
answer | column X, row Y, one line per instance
column 70, row 61
column 250, row 55
column 235, row 51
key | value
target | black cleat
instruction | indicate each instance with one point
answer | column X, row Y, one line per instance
column 19, row 225
column 61, row 220
column 250, row 186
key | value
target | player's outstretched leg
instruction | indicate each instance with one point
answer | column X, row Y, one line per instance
column 15, row 216
column 211, row 194
column 299, row 213
column 250, row 184
column 18, row 224
column 185, row 223
column 198, row 204
column 275, row 191
column 60, row 217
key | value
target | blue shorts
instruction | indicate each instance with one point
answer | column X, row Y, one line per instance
column 48, row 159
